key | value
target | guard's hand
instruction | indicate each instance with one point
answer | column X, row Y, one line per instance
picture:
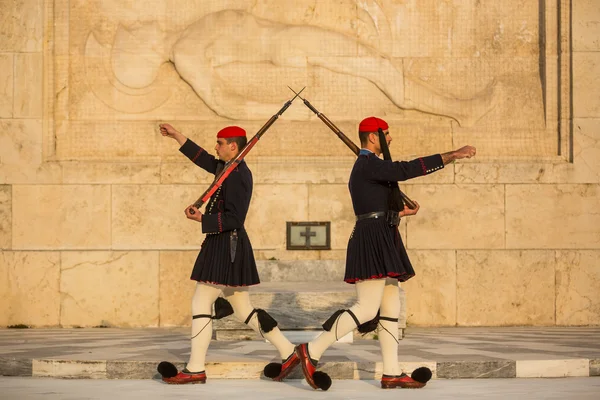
column 168, row 131
column 196, row 216
column 407, row 211
column 465, row 152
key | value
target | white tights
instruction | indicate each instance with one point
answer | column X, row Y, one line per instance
column 373, row 295
column 202, row 302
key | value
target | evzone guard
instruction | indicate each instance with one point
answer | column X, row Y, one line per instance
column 376, row 259
column 225, row 264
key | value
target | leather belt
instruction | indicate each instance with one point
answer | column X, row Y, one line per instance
column 391, row 217
column 376, row 214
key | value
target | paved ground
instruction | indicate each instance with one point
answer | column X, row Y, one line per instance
column 449, row 352
column 530, row 389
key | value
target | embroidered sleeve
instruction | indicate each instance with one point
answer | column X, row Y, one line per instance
column 199, row 156
column 382, row 170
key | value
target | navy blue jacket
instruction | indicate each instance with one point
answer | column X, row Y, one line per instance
column 370, row 177
column 227, row 208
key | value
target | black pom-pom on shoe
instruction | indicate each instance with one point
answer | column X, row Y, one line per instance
column 166, row 369
column 272, row 370
column 421, row 374
column 322, row 380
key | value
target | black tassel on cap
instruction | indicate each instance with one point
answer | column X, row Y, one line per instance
column 329, row 323
column 267, row 323
column 222, row 308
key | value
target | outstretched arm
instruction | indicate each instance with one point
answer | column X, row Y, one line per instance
column 190, row 149
column 392, row 171
column 168, row 131
column 463, row 152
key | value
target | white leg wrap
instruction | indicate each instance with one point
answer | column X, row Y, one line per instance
column 369, row 294
column 242, row 308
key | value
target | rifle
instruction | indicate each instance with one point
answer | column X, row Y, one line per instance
column 232, row 164
column 398, row 197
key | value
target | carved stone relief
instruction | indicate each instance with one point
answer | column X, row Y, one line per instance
column 488, row 71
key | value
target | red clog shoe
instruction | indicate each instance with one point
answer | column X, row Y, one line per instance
column 288, row 366
column 308, row 367
column 400, row 381
column 185, row 377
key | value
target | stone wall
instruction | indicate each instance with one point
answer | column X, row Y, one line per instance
column 92, row 229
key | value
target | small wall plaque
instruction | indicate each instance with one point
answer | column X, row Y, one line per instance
column 308, row 235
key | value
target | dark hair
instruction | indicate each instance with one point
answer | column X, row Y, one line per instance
column 364, row 137
column 239, row 140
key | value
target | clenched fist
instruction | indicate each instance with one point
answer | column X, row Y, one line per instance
column 168, row 131
column 465, row 152
column 193, row 213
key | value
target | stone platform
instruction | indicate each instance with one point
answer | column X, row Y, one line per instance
column 300, row 295
column 297, row 306
column 450, row 352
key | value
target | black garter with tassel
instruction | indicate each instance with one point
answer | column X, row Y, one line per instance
column 222, row 309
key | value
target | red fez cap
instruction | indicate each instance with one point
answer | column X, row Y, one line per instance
column 231, row 131
column 372, row 124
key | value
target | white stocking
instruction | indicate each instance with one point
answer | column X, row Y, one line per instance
column 240, row 301
column 388, row 330
column 202, row 302
column 369, row 294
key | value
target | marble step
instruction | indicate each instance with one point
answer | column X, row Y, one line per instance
column 297, row 307
column 301, row 270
